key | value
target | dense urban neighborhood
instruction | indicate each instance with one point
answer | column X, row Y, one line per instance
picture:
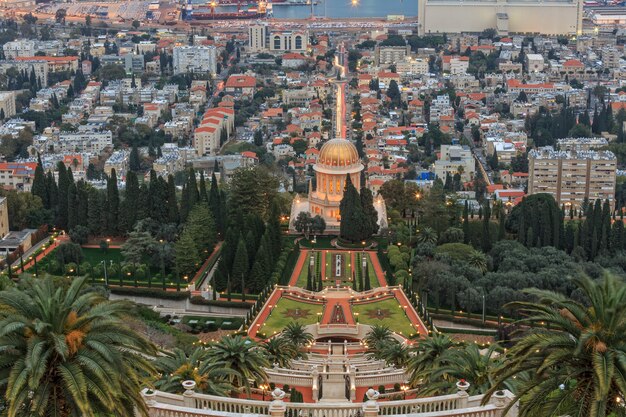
column 214, row 213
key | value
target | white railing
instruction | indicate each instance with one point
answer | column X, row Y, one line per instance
column 420, row 405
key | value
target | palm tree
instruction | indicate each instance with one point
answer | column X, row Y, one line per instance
column 280, row 351
column 241, row 355
column 393, row 353
column 468, row 363
column 177, row 367
column 378, row 334
column 296, row 334
column 427, row 235
column 427, row 356
column 577, row 363
column 478, row 260
column 68, row 352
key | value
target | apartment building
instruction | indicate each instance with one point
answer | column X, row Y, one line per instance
column 391, row 54
column 17, row 175
column 7, row 104
column 416, row 66
column 20, row 47
column 40, row 67
column 207, row 135
column 261, row 40
column 194, row 59
column 87, row 141
column 571, row 176
column 581, row 144
column 453, row 159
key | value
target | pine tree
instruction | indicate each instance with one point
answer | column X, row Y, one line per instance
column 186, row 255
column 202, row 229
column 501, row 228
column 367, row 284
column 113, row 204
column 184, row 204
column 258, row 274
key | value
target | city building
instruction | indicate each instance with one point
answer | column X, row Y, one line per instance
column 4, row 217
column 260, row 39
column 555, row 17
column 337, row 159
column 455, row 159
column 534, row 62
column 7, row 104
column 572, row 176
column 20, row 47
column 199, row 59
column 17, row 4
column 17, row 175
column 391, row 54
column 582, row 144
column 241, row 85
column 40, row 67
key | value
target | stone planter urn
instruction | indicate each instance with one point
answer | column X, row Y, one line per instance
column 462, row 385
column 499, row 399
column 189, row 387
column 150, row 397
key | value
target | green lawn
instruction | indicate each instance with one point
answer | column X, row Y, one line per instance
column 391, row 315
column 95, row 255
column 284, row 313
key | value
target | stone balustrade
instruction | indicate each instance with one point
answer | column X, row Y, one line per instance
column 192, row 404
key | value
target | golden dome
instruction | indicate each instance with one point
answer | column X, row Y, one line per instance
column 338, row 153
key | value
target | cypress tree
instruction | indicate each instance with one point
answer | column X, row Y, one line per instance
column 193, row 195
column 184, row 204
column 64, row 183
column 466, row 238
column 39, row 187
column 273, row 227
column 134, row 161
column 128, row 212
column 353, row 225
column 486, row 235
column 72, row 206
column 172, row 204
column 501, row 228
column 203, row 193
column 371, row 215
column 52, row 189
column 113, row 204
column 366, row 279
column 240, row 264
column 522, row 228
column 216, row 205
column 83, row 208
column 94, row 207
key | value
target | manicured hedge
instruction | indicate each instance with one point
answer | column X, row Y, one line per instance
column 150, row 292
column 218, row 303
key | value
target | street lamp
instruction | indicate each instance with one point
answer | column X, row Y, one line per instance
column 404, row 389
column 263, row 388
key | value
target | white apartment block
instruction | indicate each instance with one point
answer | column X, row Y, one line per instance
column 459, row 65
column 19, row 48
column 453, row 159
column 572, row 176
column 195, row 59
column 391, row 54
column 534, row 62
column 91, row 142
column 417, row 66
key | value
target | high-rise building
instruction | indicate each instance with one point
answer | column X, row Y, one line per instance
column 571, row 176
column 260, row 39
column 194, row 59
column 257, row 38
